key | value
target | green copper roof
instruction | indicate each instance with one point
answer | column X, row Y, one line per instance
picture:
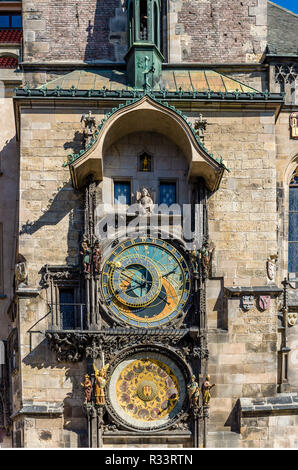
column 172, row 80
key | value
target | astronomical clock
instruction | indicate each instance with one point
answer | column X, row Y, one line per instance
column 146, row 283
column 143, row 336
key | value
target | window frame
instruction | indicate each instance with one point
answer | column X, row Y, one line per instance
column 10, row 15
column 122, row 180
column 168, row 181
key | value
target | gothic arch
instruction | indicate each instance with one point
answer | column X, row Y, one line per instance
column 147, row 114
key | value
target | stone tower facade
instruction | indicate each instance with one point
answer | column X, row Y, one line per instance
column 148, row 155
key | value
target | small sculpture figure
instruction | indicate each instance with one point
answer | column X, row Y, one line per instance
column 100, row 383
column 96, row 257
column 87, row 386
column 206, row 387
column 145, row 201
column 194, row 256
column 86, row 254
column 89, row 127
column 21, row 272
column 271, row 267
column 205, row 255
column 193, row 391
column 200, row 127
column 145, row 162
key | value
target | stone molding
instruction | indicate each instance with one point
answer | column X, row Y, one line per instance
column 283, row 403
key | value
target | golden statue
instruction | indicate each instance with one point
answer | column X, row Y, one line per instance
column 206, row 387
column 100, row 383
column 193, row 391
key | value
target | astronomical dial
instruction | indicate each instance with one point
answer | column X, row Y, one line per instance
column 146, row 282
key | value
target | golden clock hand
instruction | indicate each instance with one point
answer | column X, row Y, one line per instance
column 170, row 272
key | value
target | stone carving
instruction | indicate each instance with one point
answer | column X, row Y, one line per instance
column 67, row 346
column 100, row 383
column 292, row 318
column 264, row 302
column 87, row 386
column 193, row 391
column 200, row 127
column 294, row 125
column 286, row 73
column 89, row 125
column 21, row 272
column 271, row 267
column 58, row 273
column 247, row 302
column 206, row 387
column 145, row 201
column 73, row 346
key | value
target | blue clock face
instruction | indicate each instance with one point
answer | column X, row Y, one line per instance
column 146, row 282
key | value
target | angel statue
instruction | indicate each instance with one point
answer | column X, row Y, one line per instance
column 145, row 201
column 193, row 391
column 100, row 383
column 206, row 387
column 87, row 386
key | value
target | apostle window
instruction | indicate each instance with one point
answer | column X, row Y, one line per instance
column 167, row 193
column 122, row 192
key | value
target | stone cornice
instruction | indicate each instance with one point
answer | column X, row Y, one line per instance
column 283, row 403
column 271, row 289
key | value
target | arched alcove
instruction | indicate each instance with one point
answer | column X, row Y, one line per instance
column 148, row 115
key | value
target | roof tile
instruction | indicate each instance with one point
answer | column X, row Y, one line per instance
column 11, row 36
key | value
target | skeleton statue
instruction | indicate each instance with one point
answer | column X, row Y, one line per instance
column 96, row 257
column 205, row 255
column 145, row 201
column 89, row 127
column 194, row 256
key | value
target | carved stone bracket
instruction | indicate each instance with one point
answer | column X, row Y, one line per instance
column 59, row 273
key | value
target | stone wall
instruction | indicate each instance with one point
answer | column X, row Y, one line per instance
column 72, row 31
column 242, row 213
column 9, row 161
column 217, row 31
column 199, row 31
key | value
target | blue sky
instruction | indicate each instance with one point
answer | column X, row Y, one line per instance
column 291, row 5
